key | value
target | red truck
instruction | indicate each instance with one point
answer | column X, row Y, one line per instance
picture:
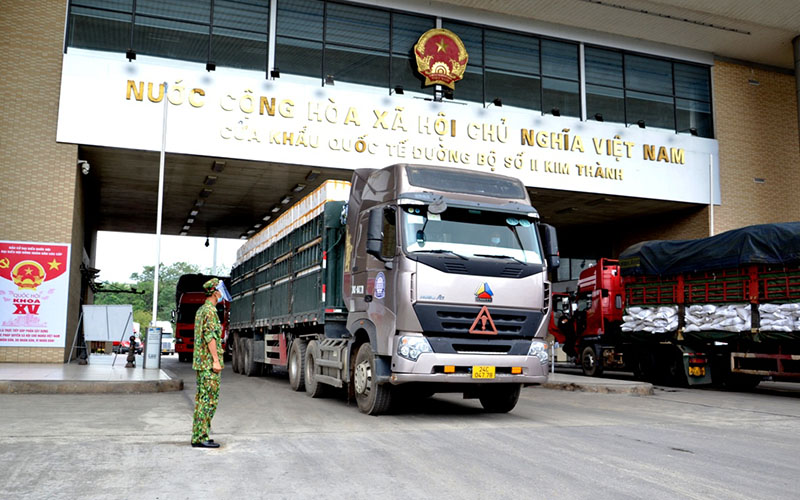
column 587, row 323
column 724, row 309
column 189, row 296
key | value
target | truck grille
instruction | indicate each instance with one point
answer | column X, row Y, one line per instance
column 455, row 267
column 456, row 321
column 511, row 272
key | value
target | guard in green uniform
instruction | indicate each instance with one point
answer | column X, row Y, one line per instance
column 207, row 362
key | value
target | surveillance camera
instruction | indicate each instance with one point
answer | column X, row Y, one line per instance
column 84, row 166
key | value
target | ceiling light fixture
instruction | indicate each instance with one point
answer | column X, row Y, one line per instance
column 312, row 175
column 299, row 188
column 210, row 180
column 218, row 166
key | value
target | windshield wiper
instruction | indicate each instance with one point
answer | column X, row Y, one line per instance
column 499, row 257
column 438, row 250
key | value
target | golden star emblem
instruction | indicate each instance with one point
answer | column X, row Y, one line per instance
column 442, row 45
column 28, row 271
column 54, row 264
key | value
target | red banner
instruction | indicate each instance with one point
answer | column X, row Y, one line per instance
column 33, row 293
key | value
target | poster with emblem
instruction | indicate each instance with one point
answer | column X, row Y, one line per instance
column 34, row 286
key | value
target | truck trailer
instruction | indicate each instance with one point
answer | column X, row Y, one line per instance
column 410, row 277
column 723, row 309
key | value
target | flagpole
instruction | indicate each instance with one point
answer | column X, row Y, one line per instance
column 160, row 205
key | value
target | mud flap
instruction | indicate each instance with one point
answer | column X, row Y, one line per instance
column 383, row 365
column 696, row 365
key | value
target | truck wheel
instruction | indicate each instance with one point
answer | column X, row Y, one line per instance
column 314, row 389
column 236, row 355
column 590, row 363
column 372, row 398
column 499, row 398
column 676, row 375
column 742, row 381
column 250, row 368
column 297, row 356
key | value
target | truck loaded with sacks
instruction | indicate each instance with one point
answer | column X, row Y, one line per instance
column 411, row 279
column 723, row 309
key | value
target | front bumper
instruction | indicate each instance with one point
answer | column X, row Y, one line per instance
column 429, row 368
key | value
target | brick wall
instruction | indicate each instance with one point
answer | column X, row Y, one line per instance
column 758, row 138
column 39, row 193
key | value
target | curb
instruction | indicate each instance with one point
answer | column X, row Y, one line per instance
column 88, row 387
column 637, row 389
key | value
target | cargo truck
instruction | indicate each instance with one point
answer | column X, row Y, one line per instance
column 724, row 309
column 410, row 277
column 189, row 296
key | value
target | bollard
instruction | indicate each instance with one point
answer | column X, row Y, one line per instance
column 131, row 354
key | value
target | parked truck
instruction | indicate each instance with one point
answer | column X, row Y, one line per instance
column 724, row 309
column 410, row 277
column 189, row 296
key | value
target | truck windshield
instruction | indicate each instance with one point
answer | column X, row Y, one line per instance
column 471, row 233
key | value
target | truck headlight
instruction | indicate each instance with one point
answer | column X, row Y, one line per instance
column 411, row 347
column 539, row 349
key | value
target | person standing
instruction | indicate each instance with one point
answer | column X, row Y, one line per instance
column 207, row 362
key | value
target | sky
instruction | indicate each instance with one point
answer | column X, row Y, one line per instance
column 121, row 254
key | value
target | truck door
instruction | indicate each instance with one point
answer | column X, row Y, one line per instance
column 379, row 293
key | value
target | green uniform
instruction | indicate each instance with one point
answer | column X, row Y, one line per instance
column 206, row 329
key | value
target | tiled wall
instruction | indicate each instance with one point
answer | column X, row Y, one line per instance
column 38, row 190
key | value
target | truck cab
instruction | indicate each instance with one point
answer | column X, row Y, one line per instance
column 446, row 284
column 189, row 296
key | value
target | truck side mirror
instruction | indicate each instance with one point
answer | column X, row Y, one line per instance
column 172, row 314
column 550, row 244
column 375, row 233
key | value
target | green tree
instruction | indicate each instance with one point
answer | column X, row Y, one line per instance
column 143, row 302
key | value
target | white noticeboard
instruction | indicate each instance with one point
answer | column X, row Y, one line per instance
column 107, row 323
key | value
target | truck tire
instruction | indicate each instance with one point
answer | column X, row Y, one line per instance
column 297, row 356
column 499, row 398
column 314, row 388
column 742, row 381
column 236, row 355
column 372, row 398
column 590, row 363
column 250, row 368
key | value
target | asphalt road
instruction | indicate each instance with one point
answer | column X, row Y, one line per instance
column 686, row 443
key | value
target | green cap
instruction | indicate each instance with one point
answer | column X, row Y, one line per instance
column 210, row 285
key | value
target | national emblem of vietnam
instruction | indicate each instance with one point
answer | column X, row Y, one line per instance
column 441, row 57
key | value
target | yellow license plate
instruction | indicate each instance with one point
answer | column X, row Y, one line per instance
column 483, row 372
column 697, row 371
